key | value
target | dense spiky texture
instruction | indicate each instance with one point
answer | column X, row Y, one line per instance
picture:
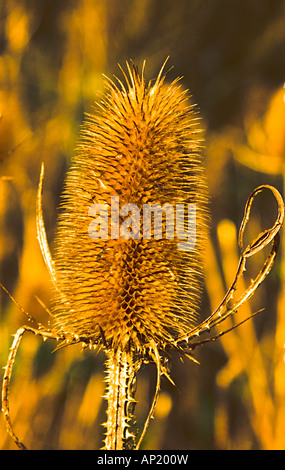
column 135, row 296
column 143, row 147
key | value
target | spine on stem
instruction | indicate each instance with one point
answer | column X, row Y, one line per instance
column 120, row 396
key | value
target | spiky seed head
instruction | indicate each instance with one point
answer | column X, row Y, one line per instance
column 143, row 147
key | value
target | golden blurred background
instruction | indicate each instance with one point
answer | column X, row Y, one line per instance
column 232, row 57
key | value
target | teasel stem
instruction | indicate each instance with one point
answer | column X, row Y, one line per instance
column 122, row 369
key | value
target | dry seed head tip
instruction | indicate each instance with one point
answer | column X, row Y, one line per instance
column 142, row 147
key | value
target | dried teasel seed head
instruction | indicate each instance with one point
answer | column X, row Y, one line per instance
column 142, row 147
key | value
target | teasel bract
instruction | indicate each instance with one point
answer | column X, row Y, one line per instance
column 133, row 295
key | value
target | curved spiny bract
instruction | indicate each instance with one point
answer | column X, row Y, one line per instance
column 141, row 148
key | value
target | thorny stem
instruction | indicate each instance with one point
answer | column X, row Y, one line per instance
column 121, row 379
